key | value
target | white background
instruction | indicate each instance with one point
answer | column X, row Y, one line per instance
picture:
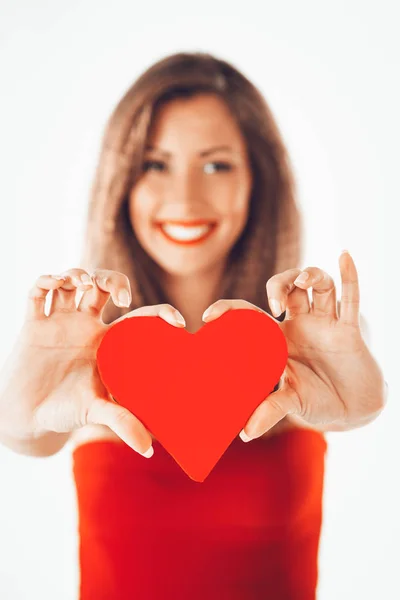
column 330, row 72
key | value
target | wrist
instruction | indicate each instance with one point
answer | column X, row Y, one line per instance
column 46, row 444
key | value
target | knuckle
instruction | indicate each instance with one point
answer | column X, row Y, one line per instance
column 38, row 285
column 137, row 312
column 120, row 415
column 42, row 284
column 272, row 284
column 120, row 275
column 275, row 405
column 287, row 287
column 73, row 278
column 80, row 272
column 69, row 272
column 168, row 306
column 75, row 272
column 126, row 281
column 41, row 278
column 247, row 304
column 36, row 294
column 220, row 302
column 101, row 274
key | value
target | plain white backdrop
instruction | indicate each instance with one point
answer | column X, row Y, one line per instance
column 330, row 74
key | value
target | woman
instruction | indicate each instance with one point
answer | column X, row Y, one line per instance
column 192, row 208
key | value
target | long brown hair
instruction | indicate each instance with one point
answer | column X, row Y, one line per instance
column 270, row 241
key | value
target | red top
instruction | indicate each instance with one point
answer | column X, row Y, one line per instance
column 250, row 531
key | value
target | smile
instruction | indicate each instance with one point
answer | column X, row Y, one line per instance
column 184, row 234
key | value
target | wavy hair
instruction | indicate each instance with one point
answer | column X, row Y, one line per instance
column 270, row 241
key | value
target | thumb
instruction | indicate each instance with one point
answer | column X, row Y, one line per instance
column 267, row 414
column 123, row 423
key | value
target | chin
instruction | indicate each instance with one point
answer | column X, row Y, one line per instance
column 179, row 270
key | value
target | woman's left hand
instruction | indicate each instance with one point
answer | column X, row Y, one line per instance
column 331, row 381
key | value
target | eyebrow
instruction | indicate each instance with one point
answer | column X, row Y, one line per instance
column 201, row 153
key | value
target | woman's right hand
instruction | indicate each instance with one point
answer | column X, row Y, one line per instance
column 50, row 381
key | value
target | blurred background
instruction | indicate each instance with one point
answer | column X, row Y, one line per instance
column 329, row 71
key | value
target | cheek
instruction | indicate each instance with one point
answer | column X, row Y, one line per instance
column 141, row 207
column 240, row 206
column 232, row 193
column 237, row 201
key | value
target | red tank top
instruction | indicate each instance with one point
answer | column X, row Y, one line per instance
column 250, row 531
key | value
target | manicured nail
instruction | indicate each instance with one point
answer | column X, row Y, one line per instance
column 123, row 298
column 206, row 313
column 149, row 453
column 86, row 279
column 179, row 318
column 275, row 307
column 302, row 278
column 244, row 437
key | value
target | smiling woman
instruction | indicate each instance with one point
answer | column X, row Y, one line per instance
column 194, row 200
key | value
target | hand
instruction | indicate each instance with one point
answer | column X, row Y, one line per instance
column 331, row 381
column 50, row 382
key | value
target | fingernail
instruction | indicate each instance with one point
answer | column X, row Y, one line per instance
column 302, row 278
column 206, row 313
column 58, row 277
column 179, row 318
column 244, row 437
column 86, row 280
column 149, row 453
column 123, row 298
column 275, row 307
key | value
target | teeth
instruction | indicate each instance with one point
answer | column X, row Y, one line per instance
column 185, row 233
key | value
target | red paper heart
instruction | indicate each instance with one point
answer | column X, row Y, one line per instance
column 193, row 392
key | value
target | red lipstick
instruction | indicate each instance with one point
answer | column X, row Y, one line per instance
column 207, row 234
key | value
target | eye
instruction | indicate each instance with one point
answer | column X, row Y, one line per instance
column 217, row 167
column 153, row 164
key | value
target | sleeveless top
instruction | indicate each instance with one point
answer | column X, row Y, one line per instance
column 250, row 531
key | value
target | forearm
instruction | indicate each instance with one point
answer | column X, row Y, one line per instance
column 45, row 445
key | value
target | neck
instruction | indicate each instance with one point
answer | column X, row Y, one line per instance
column 192, row 294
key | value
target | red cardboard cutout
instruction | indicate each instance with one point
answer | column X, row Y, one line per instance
column 193, row 392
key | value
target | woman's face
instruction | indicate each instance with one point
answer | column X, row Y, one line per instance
column 191, row 203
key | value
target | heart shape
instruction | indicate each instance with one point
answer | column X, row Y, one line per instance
column 193, row 392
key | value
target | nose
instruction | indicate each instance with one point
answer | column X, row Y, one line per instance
column 185, row 190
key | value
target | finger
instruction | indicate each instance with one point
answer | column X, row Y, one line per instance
column 165, row 311
column 64, row 298
column 106, row 283
column 38, row 293
column 123, row 423
column 323, row 291
column 218, row 308
column 272, row 410
column 283, row 295
column 350, row 299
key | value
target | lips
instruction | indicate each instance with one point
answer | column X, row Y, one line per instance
column 192, row 223
column 186, row 224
